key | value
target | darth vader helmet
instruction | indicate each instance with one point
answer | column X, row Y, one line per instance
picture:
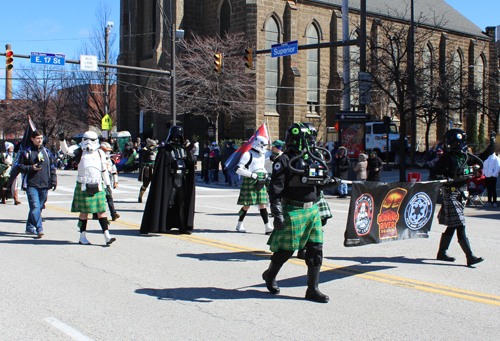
column 175, row 136
column 455, row 141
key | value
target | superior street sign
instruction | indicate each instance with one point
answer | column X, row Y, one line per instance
column 48, row 58
column 284, row 49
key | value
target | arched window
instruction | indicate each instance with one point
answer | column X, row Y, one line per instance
column 428, row 72
column 225, row 18
column 354, row 70
column 272, row 37
column 480, row 80
column 312, row 70
column 457, row 79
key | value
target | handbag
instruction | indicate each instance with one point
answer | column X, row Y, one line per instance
column 92, row 189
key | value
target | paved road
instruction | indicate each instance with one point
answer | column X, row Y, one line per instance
column 208, row 286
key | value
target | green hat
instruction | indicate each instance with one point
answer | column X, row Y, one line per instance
column 278, row 144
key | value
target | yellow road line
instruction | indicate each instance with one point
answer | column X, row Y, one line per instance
column 384, row 278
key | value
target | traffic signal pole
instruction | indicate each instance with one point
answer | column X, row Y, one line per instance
column 8, row 77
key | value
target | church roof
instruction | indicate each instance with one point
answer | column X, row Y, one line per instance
column 426, row 11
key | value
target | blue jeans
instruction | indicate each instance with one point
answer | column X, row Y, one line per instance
column 36, row 199
column 343, row 189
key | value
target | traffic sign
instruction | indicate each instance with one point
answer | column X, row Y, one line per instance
column 284, row 49
column 88, row 63
column 48, row 58
column 107, row 123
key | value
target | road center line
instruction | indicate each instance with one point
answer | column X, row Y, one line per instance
column 73, row 333
column 379, row 277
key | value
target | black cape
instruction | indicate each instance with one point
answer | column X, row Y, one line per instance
column 158, row 217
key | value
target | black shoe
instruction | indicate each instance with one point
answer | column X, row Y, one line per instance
column 139, row 200
column 313, row 293
column 443, row 247
column 269, row 276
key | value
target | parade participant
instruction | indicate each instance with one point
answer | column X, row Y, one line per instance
column 90, row 195
column 113, row 179
column 6, row 161
column 251, row 167
column 171, row 198
column 276, row 150
column 298, row 177
column 454, row 165
column 39, row 175
column 148, row 154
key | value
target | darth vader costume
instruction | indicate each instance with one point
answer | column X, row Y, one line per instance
column 170, row 202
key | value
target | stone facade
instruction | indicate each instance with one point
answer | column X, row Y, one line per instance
column 293, row 20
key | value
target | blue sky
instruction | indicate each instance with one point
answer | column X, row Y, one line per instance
column 62, row 26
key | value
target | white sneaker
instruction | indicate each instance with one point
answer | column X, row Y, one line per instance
column 109, row 240
column 83, row 239
column 240, row 227
column 269, row 228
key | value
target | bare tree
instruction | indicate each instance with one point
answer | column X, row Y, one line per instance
column 39, row 95
column 87, row 88
column 202, row 91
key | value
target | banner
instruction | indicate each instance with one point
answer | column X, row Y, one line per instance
column 382, row 211
column 232, row 162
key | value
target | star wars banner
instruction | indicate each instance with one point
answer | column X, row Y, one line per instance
column 381, row 211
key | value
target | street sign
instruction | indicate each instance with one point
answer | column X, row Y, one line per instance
column 284, row 49
column 48, row 58
column 88, row 63
column 107, row 123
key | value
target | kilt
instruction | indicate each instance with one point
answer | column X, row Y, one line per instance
column 301, row 226
column 86, row 203
column 452, row 211
column 323, row 207
column 249, row 195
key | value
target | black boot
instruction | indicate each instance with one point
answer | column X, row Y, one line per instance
column 301, row 254
column 313, row 293
column 270, row 277
column 443, row 246
column 471, row 259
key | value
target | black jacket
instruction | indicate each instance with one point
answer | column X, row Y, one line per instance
column 43, row 179
column 373, row 164
column 343, row 165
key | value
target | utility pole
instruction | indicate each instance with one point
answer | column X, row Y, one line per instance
column 108, row 27
column 173, row 5
column 362, row 54
column 8, row 78
column 413, row 120
column 346, row 105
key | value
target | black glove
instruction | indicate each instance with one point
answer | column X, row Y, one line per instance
column 61, row 136
column 330, row 183
column 277, row 211
column 54, row 187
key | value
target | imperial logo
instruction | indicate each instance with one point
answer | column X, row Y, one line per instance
column 363, row 214
column 389, row 213
column 418, row 211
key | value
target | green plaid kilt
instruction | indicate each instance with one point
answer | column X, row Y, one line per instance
column 249, row 195
column 86, row 203
column 301, row 226
column 323, row 207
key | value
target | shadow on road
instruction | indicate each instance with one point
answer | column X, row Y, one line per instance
column 399, row 259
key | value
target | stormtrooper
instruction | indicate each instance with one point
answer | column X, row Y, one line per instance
column 253, row 192
column 90, row 193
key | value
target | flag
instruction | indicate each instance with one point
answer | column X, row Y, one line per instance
column 232, row 162
column 24, row 145
column 382, row 211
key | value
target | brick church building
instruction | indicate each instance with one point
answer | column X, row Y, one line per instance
column 305, row 87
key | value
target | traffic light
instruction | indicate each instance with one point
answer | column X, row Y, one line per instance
column 249, row 58
column 9, row 60
column 218, row 62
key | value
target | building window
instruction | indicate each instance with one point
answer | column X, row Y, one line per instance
column 480, row 80
column 457, row 77
column 312, row 71
column 272, row 74
column 225, row 18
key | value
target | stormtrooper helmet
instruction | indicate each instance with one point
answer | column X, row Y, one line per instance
column 260, row 144
column 90, row 141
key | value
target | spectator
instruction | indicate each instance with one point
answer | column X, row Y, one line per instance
column 477, row 184
column 40, row 175
column 374, row 167
column 217, row 160
column 204, row 163
column 116, row 147
column 343, row 165
column 196, row 153
column 491, row 171
column 212, row 166
column 226, row 153
column 361, row 167
column 54, row 149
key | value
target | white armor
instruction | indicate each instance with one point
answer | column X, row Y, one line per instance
column 92, row 169
column 260, row 144
column 90, row 141
column 256, row 166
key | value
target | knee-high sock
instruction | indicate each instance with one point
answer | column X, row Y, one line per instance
column 82, row 223
column 104, row 223
column 264, row 215
column 242, row 213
